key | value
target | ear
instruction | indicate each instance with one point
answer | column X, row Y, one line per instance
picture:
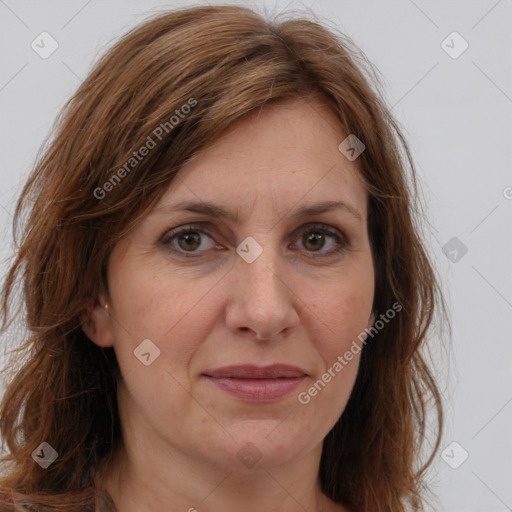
column 97, row 324
column 371, row 320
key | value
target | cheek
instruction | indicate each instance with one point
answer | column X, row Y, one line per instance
column 166, row 309
column 341, row 313
column 176, row 317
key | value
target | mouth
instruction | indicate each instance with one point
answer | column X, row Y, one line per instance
column 257, row 384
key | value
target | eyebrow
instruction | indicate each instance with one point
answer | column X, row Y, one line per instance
column 216, row 211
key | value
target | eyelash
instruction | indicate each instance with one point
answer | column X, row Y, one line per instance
column 323, row 229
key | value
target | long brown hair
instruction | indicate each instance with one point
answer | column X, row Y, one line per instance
column 224, row 62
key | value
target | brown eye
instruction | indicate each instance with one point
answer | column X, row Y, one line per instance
column 319, row 237
column 313, row 241
column 188, row 240
column 317, row 241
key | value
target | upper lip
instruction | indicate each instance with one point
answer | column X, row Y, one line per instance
column 247, row 371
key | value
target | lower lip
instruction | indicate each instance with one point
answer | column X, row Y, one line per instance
column 258, row 390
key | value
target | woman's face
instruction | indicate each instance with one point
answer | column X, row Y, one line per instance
column 198, row 320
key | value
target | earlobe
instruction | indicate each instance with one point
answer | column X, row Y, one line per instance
column 97, row 324
column 371, row 321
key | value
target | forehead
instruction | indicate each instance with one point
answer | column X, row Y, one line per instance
column 284, row 154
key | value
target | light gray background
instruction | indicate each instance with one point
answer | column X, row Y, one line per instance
column 457, row 116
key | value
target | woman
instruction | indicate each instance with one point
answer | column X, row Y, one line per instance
column 225, row 285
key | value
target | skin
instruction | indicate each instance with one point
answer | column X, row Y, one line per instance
column 297, row 303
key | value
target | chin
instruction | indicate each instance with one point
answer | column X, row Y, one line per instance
column 255, row 451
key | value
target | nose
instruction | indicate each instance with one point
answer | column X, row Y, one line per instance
column 261, row 302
